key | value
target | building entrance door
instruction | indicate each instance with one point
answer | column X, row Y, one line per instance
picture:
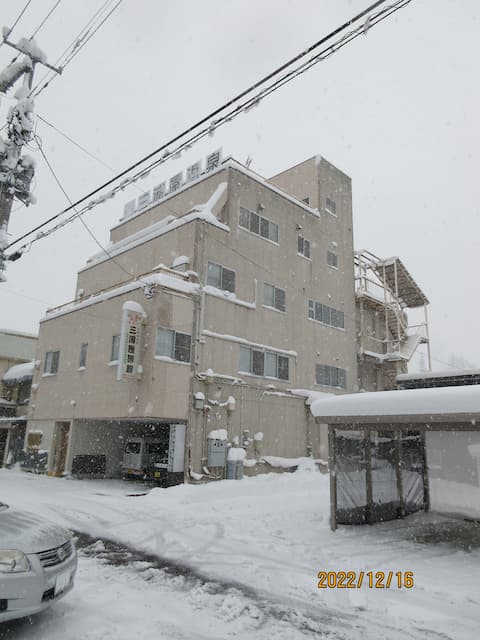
column 60, row 446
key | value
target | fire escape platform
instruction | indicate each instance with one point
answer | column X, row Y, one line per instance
column 399, row 280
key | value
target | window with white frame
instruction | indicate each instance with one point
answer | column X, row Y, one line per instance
column 173, row 344
column 83, row 355
column 51, row 362
column 274, row 297
column 303, row 246
column 258, row 224
column 220, row 277
column 332, row 259
column 331, row 206
column 115, row 348
column 328, row 376
column 263, row 363
column 326, row 315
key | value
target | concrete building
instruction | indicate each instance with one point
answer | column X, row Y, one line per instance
column 220, row 306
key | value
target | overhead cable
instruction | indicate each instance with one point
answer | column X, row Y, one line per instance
column 249, row 103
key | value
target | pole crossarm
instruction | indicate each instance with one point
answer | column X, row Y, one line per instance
column 30, row 49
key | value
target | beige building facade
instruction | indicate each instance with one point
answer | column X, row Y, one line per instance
column 239, row 304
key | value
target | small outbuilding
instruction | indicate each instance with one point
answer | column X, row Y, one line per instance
column 392, row 453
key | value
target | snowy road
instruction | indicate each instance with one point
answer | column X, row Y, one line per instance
column 243, row 560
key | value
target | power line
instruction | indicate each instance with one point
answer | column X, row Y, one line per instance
column 90, row 232
column 82, row 148
column 45, row 19
column 249, row 103
column 77, row 44
column 16, row 22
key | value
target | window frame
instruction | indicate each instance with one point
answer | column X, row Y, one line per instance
column 282, row 363
column 175, row 348
column 222, row 271
column 330, row 376
column 323, row 314
column 302, row 244
column 51, row 363
column 82, row 360
column 276, row 304
column 259, row 223
column 115, row 348
column 332, row 254
column 329, row 209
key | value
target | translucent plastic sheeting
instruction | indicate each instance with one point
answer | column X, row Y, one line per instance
column 351, row 477
column 453, row 459
column 384, row 462
column 412, row 465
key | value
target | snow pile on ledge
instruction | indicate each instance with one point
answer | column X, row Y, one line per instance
column 19, row 372
column 218, row 434
column 236, row 454
column 302, row 463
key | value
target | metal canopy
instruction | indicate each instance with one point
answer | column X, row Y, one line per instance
column 398, row 279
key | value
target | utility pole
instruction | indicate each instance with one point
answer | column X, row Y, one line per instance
column 17, row 170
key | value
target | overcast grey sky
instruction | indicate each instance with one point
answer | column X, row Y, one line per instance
column 397, row 110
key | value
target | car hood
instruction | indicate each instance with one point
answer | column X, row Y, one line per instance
column 29, row 533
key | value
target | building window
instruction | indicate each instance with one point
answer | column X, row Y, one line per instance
column 263, row 363
column 51, row 362
column 258, row 224
column 326, row 315
column 303, row 247
column 331, row 206
column 274, row 297
column 220, row 277
column 332, row 259
column 83, row 354
column 329, row 376
column 115, row 348
column 173, row 344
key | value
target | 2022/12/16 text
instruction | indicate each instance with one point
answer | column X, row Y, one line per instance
column 370, row 579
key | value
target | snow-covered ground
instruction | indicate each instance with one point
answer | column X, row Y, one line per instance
column 245, row 557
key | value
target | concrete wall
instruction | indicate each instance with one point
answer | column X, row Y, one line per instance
column 94, row 392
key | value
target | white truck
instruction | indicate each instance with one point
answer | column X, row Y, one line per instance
column 159, row 458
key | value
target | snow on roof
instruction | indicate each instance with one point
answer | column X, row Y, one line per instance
column 412, row 402
column 161, row 279
column 167, row 224
column 446, row 373
column 21, row 334
column 19, row 372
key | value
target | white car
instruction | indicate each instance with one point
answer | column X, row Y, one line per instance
column 38, row 561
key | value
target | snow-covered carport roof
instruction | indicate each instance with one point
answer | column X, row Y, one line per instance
column 460, row 404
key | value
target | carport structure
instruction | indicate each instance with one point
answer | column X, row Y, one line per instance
column 392, row 453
